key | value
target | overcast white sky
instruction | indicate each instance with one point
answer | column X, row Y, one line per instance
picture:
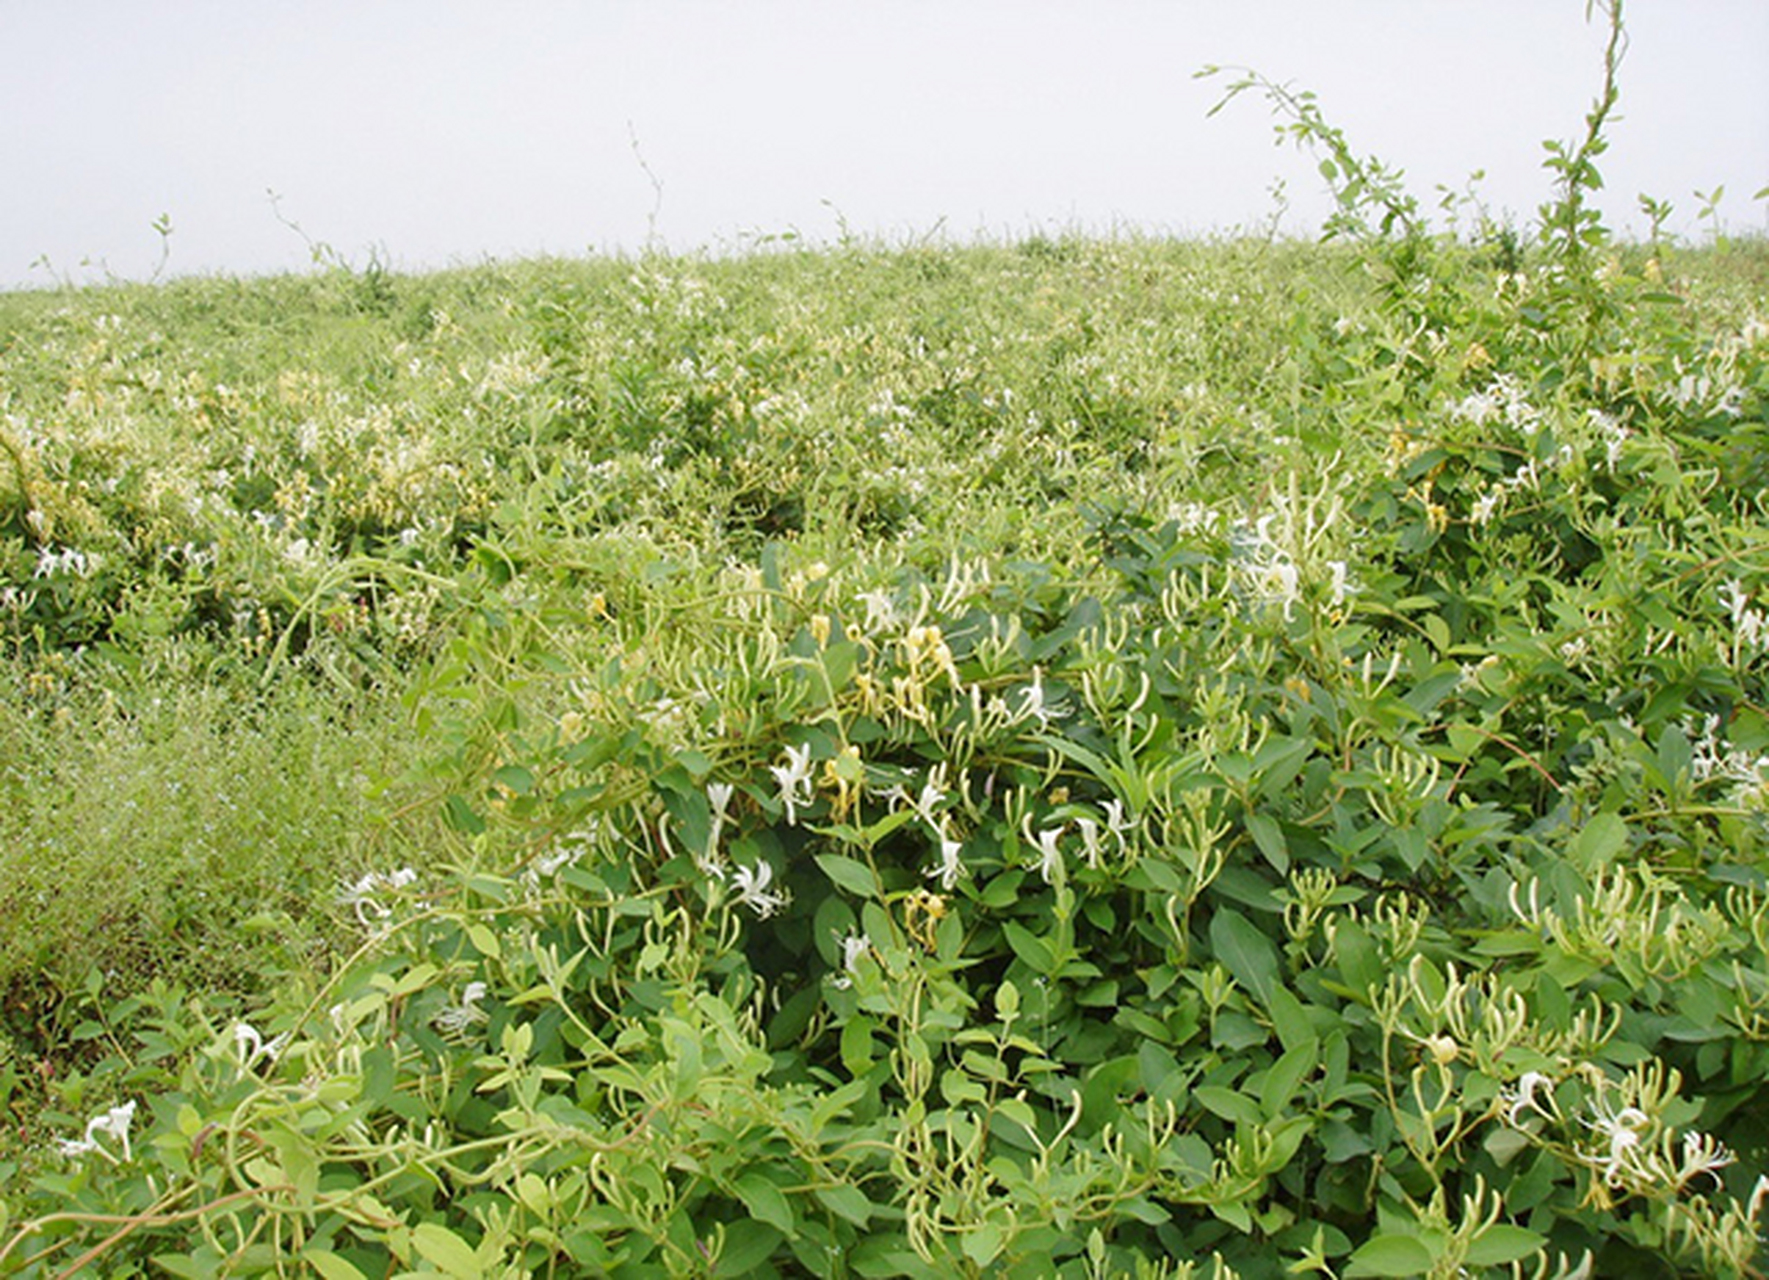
column 443, row 131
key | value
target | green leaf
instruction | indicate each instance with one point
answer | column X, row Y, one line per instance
column 1358, row 962
column 696, row 763
column 444, row 1249
column 747, row 1246
column 1030, row 948
column 959, row 1089
column 1278, row 762
column 1675, row 757
column 1505, row 1145
column 871, row 835
column 1503, row 1243
column 856, row 1045
column 1602, row 840
column 1232, row 1106
column 461, row 817
column 846, row 1202
column 195, row 1267
column 887, row 1257
column 514, row 778
column 1390, row 1256
column 330, row 1266
column 1020, row 1112
column 1290, row 1018
column 982, row 1243
column 849, row 873
column 1269, row 836
column 1464, row 740
column 1242, row 884
column 1236, row 1031
column 765, row 1201
column 1144, row 1211
column 1286, row 1077
column 1235, row 1214
column 1245, row 952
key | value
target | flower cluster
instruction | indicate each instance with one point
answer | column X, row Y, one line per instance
column 1619, row 1135
column 360, row 896
column 113, row 1124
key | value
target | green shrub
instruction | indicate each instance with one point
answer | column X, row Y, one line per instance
column 1080, row 758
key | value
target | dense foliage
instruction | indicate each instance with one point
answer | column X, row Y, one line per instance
column 1076, row 758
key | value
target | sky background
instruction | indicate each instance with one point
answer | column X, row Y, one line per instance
column 440, row 132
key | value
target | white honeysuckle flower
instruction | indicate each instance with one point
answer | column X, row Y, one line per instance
column 1471, row 672
column 1505, row 397
column 794, row 778
column 1477, row 408
column 853, row 946
column 73, row 1148
column 458, row 1017
column 718, row 796
column 1050, row 858
column 1710, row 760
column 1527, row 476
column 360, row 898
column 1615, row 435
column 251, row 1046
column 1750, row 626
column 548, row 864
column 570, row 849
column 1090, row 842
column 1192, row 517
column 67, row 560
column 881, row 610
column 950, row 866
column 1622, row 1131
column 932, row 795
column 1116, row 822
column 1279, row 582
column 1759, row 1196
column 1486, row 506
column 1525, row 1097
column 114, row 1123
column 1702, row 1153
column 752, row 889
column 1033, row 705
column 893, row 797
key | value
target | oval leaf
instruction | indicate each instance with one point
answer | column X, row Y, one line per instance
column 445, row 1250
column 849, row 873
column 1245, row 952
column 1390, row 1256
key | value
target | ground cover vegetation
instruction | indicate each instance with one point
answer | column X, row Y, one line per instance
column 1080, row 757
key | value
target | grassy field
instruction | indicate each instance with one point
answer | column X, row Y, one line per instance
column 1078, row 757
